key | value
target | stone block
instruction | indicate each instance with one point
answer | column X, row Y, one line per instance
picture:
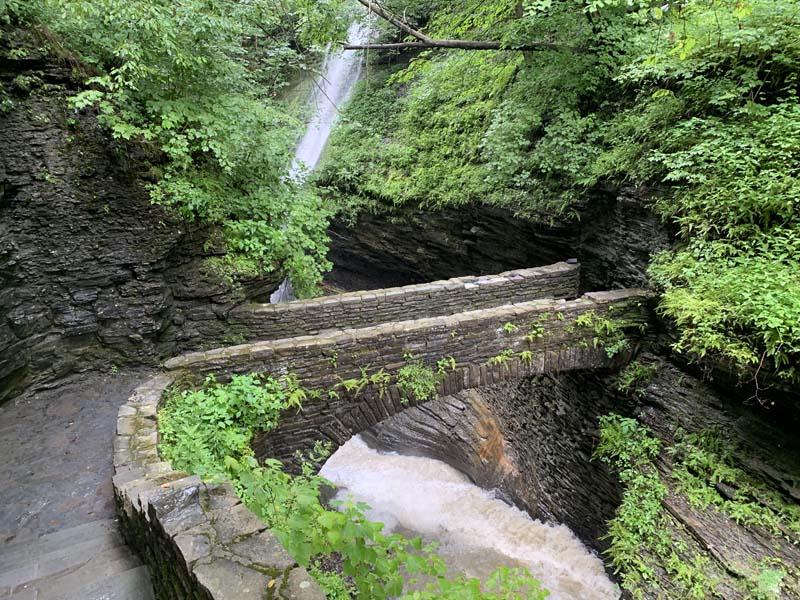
column 126, row 411
column 219, row 496
column 300, row 586
column 126, row 426
column 263, row 549
column 224, row 579
column 237, row 522
column 124, row 474
column 193, row 546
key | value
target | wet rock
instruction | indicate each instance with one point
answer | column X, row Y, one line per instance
column 613, row 239
column 91, row 274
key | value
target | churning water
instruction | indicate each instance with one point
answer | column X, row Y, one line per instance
column 477, row 531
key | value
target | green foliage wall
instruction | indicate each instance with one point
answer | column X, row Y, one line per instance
column 696, row 100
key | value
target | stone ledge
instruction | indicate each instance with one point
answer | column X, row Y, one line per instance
column 198, row 539
column 262, row 351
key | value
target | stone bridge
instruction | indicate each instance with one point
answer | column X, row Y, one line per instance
column 469, row 331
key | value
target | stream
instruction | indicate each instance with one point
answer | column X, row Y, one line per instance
column 478, row 532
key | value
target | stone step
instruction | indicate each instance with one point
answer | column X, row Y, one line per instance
column 133, row 584
column 87, row 562
column 20, row 553
column 65, row 558
column 99, row 572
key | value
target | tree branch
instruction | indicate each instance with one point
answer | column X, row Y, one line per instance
column 400, row 24
column 427, row 42
column 463, row 45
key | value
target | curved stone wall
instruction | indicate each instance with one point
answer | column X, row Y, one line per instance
column 198, row 539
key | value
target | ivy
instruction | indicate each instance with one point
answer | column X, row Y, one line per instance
column 640, row 534
column 704, row 459
column 634, row 378
column 415, row 381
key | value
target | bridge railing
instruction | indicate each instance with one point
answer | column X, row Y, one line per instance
column 471, row 349
column 359, row 309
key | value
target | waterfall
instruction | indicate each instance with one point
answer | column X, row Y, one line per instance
column 340, row 72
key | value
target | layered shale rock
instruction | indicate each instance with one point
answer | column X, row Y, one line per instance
column 91, row 274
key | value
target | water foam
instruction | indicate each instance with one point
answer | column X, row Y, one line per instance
column 477, row 531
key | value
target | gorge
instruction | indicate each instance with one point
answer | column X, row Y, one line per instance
column 447, row 330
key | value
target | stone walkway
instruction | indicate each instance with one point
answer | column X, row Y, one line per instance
column 57, row 521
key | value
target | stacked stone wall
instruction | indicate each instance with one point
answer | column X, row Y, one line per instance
column 470, row 346
column 199, row 541
column 447, row 297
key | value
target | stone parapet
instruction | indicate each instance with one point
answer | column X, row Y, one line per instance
column 358, row 309
column 199, row 541
column 537, row 337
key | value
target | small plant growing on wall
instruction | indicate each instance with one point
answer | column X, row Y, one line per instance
column 380, row 380
column 416, row 381
column 503, row 359
column 608, row 333
column 354, row 385
column 295, row 393
column 634, row 378
column 536, row 329
column 509, row 328
column 526, row 357
column 444, row 364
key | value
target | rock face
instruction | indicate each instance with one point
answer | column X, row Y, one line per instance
column 91, row 274
column 613, row 239
column 532, row 440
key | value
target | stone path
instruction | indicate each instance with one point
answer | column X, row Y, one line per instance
column 58, row 529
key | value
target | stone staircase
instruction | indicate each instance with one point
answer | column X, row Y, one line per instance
column 87, row 562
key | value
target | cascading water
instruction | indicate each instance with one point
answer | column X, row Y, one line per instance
column 340, row 72
column 477, row 532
